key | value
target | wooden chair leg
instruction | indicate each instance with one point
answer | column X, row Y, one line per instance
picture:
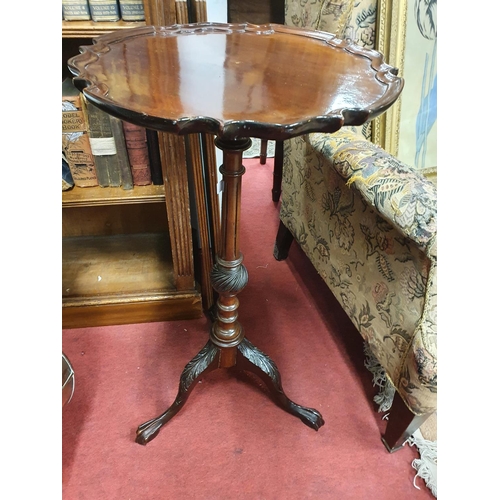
column 284, row 240
column 263, row 151
column 402, row 423
column 278, row 171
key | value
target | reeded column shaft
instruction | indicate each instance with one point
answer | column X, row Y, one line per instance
column 229, row 276
column 232, row 171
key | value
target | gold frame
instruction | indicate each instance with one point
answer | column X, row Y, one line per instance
column 390, row 41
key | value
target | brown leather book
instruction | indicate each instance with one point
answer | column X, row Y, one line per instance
column 103, row 144
column 138, row 154
column 127, row 181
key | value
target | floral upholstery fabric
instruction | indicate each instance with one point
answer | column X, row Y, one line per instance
column 354, row 19
column 368, row 224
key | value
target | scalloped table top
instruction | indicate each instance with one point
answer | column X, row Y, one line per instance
column 240, row 80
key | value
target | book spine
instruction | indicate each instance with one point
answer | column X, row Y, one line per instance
column 104, row 10
column 154, row 157
column 138, row 155
column 132, row 10
column 102, row 142
column 76, row 143
column 75, row 10
column 121, row 153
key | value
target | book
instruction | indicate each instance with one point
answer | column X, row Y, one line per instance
column 127, row 181
column 67, row 178
column 107, row 157
column 132, row 10
column 75, row 137
column 104, row 10
column 138, row 154
column 154, row 156
column 76, row 10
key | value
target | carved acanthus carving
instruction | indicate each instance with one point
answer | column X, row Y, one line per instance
column 229, row 277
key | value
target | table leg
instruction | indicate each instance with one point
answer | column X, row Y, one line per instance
column 204, row 362
column 227, row 346
column 263, row 151
column 255, row 361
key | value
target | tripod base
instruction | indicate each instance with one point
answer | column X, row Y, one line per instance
column 246, row 358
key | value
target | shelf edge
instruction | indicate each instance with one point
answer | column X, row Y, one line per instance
column 68, row 302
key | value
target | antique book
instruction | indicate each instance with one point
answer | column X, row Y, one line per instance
column 75, row 10
column 132, row 10
column 154, row 156
column 67, row 178
column 123, row 161
column 103, row 145
column 75, row 137
column 138, row 154
column 104, row 10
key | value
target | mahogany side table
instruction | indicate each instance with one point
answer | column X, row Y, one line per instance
column 234, row 81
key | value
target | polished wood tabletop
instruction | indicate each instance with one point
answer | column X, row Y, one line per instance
column 235, row 80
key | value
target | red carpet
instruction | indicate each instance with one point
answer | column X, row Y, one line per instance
column 230, row 441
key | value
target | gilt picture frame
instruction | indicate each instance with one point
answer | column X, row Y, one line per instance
column 407, row 36
column 390, row 41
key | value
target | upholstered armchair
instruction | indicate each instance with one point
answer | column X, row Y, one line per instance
column 367, row 222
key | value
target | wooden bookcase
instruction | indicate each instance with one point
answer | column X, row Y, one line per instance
column 128, row 256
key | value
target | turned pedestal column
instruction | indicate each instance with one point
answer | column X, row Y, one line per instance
column 227, row 346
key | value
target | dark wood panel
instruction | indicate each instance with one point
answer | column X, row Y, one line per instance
column 256, row 12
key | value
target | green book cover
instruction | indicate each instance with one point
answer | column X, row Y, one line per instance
column 132, row 10
column 104, row 10
column 76, row 10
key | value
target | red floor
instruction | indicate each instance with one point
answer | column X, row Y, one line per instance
column 230, row 441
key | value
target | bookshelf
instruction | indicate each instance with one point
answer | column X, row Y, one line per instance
column 94, row 196
column 88, row 29
column 128, row 255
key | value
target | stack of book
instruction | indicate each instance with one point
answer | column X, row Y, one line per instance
column 102, row 150
column 102, row 10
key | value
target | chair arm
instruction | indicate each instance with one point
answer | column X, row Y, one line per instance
column 400, row 193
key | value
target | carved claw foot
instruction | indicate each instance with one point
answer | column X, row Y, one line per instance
column 255, row 361
column 148, row 430
column 311, row 417
column 205, row 361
